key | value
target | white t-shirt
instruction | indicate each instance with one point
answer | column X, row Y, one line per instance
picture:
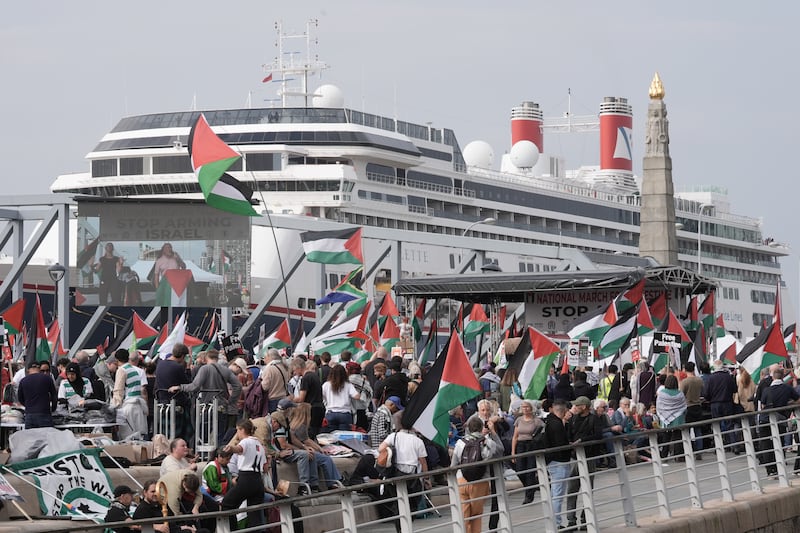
column 338, row 402
column 252, row 458
column 409, row 448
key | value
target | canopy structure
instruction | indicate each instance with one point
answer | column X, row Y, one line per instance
column 493, row 287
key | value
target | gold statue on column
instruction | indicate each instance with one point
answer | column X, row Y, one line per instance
column 656, row 88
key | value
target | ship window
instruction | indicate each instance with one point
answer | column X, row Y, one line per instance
column 131, row 166
column 263, row 161
column 172, row 164
column 102, row 168
column 759, row 319
column 762, row 297
column 301, row 303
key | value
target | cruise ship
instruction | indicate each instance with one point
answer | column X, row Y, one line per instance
column 310, row 156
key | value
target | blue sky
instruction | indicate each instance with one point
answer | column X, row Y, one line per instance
column 73, row 69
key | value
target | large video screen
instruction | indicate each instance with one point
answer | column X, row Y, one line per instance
column 156, row 253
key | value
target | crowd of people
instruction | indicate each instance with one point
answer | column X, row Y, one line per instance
column 273, row 411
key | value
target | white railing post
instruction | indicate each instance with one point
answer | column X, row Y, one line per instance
column 777, row 445
column 349, row 522
column 587, row 493
column 750, row 454
column 403, row 507
column 722, row 462
column 547, row 494
column 658, row 476
column 691, row 469
column 625, row 486
column 287, row 522
column 504, row 513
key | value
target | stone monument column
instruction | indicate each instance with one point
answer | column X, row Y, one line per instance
column 657, row 233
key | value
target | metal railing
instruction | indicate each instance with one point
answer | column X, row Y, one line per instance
column 205, row 420
column 742, row 454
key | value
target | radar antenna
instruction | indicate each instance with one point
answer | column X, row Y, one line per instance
column 291, row 68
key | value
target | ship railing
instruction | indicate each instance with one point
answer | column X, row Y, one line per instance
column 623, row 480
column 428, row 211
column 422, row 185
column 556, row 185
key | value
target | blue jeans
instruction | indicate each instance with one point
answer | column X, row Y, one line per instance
column 328, row 468
column 38, row 420
column 306, row 467
column 339, row 421
column 558, row 472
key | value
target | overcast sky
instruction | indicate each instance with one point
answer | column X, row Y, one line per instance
column 71, row 70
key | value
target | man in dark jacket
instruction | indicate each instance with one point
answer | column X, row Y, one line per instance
column 777, row 394
column 719, row 391
column 394, row 385
column 558, row 462
column 581, row 387
column 37, row 392
column 584, row 426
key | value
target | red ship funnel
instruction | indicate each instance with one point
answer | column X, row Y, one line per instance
column 526, row 124
column 616, row 126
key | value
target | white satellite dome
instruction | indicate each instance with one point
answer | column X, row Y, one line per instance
column 479, row 154
column 524, row 154
column 328, row 96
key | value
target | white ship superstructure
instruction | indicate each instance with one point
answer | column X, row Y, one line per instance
column 322, row 159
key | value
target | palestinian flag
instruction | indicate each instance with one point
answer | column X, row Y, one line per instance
column 38, row 349
column 532, row 360
column 87, row 254
column 280, row 338
column 699, row 353
column 338, row 247
column 338, row 332
column 644, row 320
column 720, row 325
column 596, row 325
column 672, row 325
column 14, row 317
column 391, row 334
column 419, row 319
column 211, row 158
column 790, row 337
column 449, row 382
column 388, row 307
column 766, row 349
column 225, row 260
column 727, row 347
column 706, row 313
column 630, row 297
column 429, row 349
column 54, row 340
column 143, row 333
column 658, row 308
column 174, row 337
column 477, row 323
column 618, row 337
column 194, row 344
column 692, row 314
column 348, row 290
column 172, row 290
column 102, row 348
column 299, row 340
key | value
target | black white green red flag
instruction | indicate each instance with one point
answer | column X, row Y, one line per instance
column 766, row 349
column 450, row 382
column 211, row 158
column 532, row 360
column 337, row 247
column 14, row 317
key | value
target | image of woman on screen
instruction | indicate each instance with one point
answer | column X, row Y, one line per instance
column 108, row 268
column 167, row 260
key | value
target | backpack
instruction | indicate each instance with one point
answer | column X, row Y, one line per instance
column 472, row 455
column 538, row 438
column 255, row 403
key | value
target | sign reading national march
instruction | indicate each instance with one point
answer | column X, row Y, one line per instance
column 74, row 478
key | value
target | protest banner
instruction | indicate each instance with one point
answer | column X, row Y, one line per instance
column 72, row 479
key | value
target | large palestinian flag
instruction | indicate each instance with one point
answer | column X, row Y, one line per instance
column 211, row 158
column 38, row 348
column 766, row 349
column 338, row 247
column 532, row 360
column 450, row 382
column 14, row 317
column 172, row 290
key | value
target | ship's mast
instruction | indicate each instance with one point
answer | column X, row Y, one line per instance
column 290, row 69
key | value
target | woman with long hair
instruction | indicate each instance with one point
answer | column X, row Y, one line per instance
column 337, row 392
column 525, row 427
column 299, row 420
column 252, row 464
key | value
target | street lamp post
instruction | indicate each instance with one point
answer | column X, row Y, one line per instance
column 488, row 221
column 56, row 273
column 700, row 237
